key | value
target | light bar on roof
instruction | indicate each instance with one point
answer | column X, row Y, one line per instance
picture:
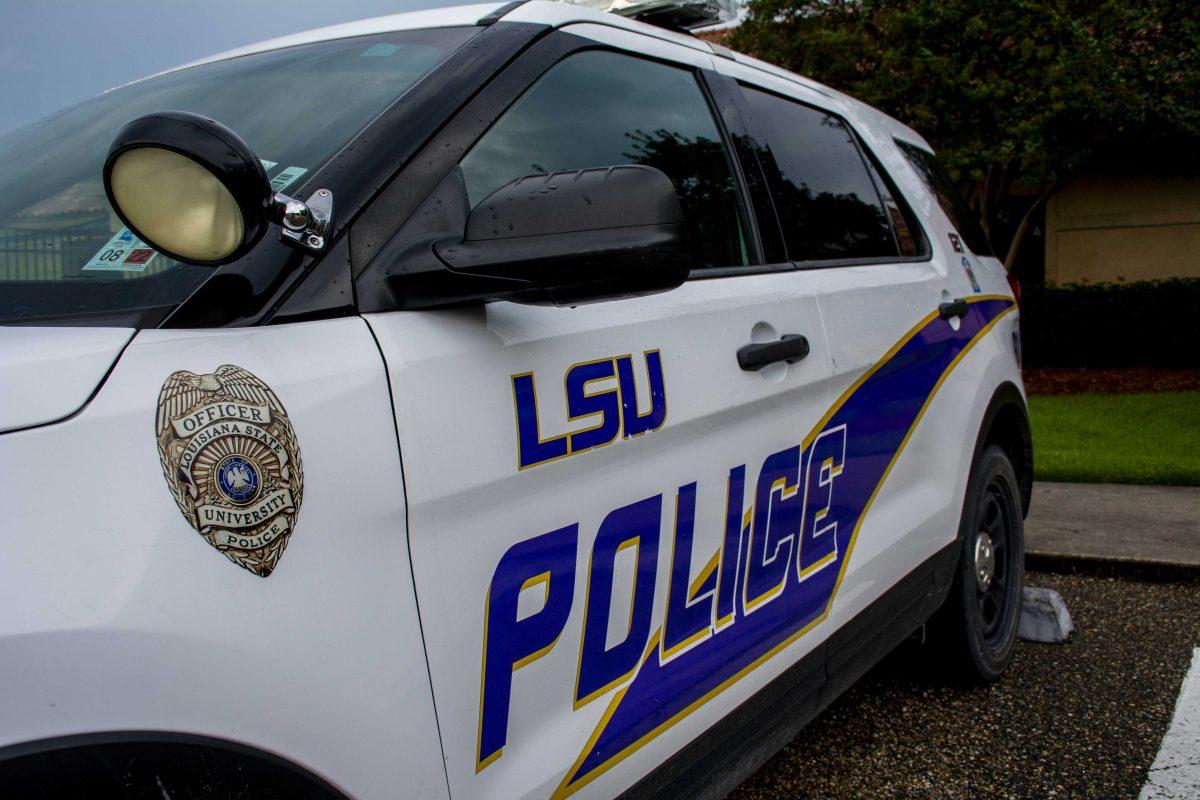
column 667, row 13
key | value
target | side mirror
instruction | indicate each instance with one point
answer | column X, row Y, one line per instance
column 193, row 190
column 576, row 237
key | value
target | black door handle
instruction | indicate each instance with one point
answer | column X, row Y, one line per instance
column 957, row 308
column 791, row 347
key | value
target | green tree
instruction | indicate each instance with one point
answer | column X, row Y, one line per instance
column 1014, row 94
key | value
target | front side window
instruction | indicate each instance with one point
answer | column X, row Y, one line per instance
column 63, row 251
column 827, row 203
column 601, row 109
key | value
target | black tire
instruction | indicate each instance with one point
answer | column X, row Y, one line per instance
column 978, row 623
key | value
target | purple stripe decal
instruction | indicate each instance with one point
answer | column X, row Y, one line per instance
column 876, row 417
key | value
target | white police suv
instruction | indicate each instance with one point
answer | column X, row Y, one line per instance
column 510, row 401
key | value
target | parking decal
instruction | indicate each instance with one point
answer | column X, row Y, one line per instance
column 124, row 252
column 287, row 177
column 788, row 533
column 966, row 264
column 957, row 245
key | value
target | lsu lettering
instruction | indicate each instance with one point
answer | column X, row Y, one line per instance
column 787, row 535
column 613, row 408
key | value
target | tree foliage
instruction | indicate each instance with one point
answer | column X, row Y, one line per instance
column 1015, row 94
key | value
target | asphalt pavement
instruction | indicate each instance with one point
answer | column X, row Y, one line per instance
column 1080, row 720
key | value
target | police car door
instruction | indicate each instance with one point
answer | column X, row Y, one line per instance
column 600, row 498
column 909, row 412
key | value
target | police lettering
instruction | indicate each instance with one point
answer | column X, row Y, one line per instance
column 784, row 537
column 218, row 516
column 213, row 412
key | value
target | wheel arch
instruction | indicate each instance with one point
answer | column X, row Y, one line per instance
column 134, row 763
column 1006, row 423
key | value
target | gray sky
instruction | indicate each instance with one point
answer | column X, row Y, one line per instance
column 56, row 52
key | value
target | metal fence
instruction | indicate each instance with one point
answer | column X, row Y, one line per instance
column 33, row 255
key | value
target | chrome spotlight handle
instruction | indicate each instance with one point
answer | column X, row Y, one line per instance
column 305, row 224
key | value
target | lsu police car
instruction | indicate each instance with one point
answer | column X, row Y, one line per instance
column 506, row 401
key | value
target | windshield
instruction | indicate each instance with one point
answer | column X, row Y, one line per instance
column 64, row 252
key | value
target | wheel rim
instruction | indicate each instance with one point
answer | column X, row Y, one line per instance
column 993, row 572
column 985, row 561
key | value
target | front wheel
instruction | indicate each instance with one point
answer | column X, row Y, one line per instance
column 979, row 619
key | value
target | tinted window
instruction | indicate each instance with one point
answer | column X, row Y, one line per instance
column 828, row 206
column 909, row 236
column 600, row 109
column 948, row 197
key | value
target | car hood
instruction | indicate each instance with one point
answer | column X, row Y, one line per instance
column 47, row 374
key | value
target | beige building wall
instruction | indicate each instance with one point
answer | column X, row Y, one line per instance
column 1134, row 227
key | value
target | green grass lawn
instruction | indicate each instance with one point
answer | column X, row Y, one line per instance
column 1117, row 438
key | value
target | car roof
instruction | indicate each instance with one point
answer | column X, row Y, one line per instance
column 559, row 14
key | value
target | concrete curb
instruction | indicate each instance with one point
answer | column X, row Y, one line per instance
column 1113, row 567
column 1148, row 533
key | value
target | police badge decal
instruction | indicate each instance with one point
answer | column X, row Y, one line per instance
column 231, row 460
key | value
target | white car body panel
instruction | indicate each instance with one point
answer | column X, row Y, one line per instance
column 641, row 44
column 116, row 615
column 49, row 373
column 558, row 15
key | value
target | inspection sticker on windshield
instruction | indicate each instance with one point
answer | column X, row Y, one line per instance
column 124, row 252
column 287, row 177
column 381, row 49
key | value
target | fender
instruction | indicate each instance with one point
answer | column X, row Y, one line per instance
column 1006, row 422
column 127, row 763
column 116, row 615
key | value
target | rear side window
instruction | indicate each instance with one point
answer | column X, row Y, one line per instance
column 948, row 197
column 828, row 205
column 909, row 236
column 602, row 109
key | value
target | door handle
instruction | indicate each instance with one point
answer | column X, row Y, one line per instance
column 791, row 347
column 956, row 308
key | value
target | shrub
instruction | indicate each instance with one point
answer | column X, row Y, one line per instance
column 1140, row 324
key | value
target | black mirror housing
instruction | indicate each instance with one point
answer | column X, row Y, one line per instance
column 218, row 150
column 574, row 237
column 176, row 166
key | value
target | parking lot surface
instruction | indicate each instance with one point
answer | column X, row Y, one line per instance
column 1081, row 720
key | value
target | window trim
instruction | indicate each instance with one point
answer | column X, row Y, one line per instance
column 877, row 172
column 728, row 103
column 742, row 187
